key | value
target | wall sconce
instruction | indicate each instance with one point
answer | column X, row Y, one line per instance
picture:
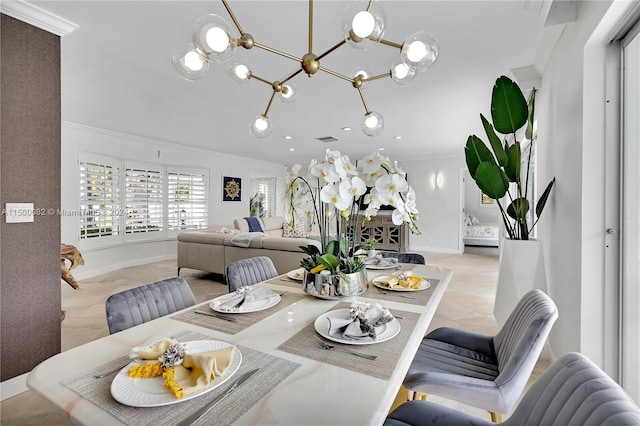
column 437, row 180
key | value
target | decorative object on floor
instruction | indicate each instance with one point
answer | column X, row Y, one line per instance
column 141, row 304
column 330, row 194
column 487, row 372
column 231, row 189
column 497, row 170
column 573, row 390
column 363, row 26
column 494, row 172
column 72, row 254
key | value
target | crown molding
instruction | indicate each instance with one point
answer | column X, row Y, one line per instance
column 38, row 17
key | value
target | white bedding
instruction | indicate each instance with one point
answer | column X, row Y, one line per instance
column 481, row 235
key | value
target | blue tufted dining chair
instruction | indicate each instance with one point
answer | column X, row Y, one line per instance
column 145, row 303
column 573, row 391
column 249, row 271
column 487, row 372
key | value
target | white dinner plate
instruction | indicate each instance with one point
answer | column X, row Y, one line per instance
column 296, row 274
column 385, row 331
column 256, row 306
column 152, row 393
column 425, row 284
column 390, row 264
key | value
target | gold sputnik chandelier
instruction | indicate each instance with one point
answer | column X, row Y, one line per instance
column 363, row 26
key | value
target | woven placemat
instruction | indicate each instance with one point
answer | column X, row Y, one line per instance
column 419, row 297
column 242, row 320
column 273, row 370
column 305, row 343
column 285, row 281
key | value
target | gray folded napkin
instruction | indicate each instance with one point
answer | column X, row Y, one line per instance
column 381, row 261
column 365, row 322
column 245, row 298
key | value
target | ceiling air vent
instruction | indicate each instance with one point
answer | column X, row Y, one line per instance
column 327, row 139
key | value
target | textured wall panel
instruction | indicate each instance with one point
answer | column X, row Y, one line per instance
column 29, row 173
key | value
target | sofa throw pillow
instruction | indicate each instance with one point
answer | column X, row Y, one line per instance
column 296, row 231
column 254, row 224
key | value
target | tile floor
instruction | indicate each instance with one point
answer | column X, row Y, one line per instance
column 467, row 303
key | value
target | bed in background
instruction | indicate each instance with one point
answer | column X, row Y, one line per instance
column 480, row 234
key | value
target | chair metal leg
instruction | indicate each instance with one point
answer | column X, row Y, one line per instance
column 496, row 417
column 179, row 271
column 419, row 396
column 401, row 397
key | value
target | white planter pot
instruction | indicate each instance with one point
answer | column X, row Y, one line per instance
column 521, row 270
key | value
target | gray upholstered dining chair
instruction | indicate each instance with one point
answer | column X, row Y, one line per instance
column 249, row 271
column 145, row 303
column 405, row 257
column 573, row 391
column 487, row 372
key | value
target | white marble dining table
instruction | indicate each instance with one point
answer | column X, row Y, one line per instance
column 315, row 387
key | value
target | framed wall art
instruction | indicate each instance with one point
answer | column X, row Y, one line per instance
column 231, row 188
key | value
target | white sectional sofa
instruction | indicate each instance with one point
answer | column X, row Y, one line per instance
column 213, row 248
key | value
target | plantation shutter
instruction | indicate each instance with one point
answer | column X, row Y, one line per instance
column 99, row 180
column 187, row 199
column 144, row 193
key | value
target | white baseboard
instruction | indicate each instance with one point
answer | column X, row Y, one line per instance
column 435, row 249
column 80, row 275
column 14, row 386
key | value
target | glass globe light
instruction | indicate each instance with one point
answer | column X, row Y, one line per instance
column 361, row 28
column 372, row 124
column 190, row 64
column 212, row 35
column 364, row 72
column 239, row 71
column 420, row 50
column 291, row 93
column 260, row 126
column 402, row 73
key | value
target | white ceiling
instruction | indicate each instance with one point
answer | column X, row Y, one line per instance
column 117, row 75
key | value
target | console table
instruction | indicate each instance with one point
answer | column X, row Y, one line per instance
column 390, row 237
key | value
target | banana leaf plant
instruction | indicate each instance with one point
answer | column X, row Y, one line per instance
column 496, row 167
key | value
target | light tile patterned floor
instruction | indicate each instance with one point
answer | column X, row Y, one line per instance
column 467, row 303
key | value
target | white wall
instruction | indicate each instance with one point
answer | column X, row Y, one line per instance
column 77, row 139
column 486, row 213
column 440, row 215
column 572, row 229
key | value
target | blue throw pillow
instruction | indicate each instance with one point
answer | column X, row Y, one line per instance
column 254, row 224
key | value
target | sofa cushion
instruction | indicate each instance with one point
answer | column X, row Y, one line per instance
column 287, row 244
column 203, row 237
column 296, row 231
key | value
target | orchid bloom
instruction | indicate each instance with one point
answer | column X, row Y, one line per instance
column 326, row 172
column 331, row 194
column 392, row 183
column 344, row 167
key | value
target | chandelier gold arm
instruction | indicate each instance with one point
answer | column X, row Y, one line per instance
column 233, row 17
column 368, row 9
column 310, row 26
column 377, row 77
column 292, row 75
column 336, row 74
column 277, row 52
column 331, row 49
column 273, row 96
column 366, row 108
column 390, row 43
column 252, row 75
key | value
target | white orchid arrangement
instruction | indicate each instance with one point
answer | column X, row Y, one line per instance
column 331, row 194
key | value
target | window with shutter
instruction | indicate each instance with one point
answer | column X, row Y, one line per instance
column 267, row 187
column 144, row 199
column 187, row 199
column 99, row 197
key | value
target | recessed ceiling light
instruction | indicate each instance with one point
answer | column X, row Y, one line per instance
column 397, row 137
column 380, row 149
column 287, row 137
column 346, row 129
column 292, row 149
